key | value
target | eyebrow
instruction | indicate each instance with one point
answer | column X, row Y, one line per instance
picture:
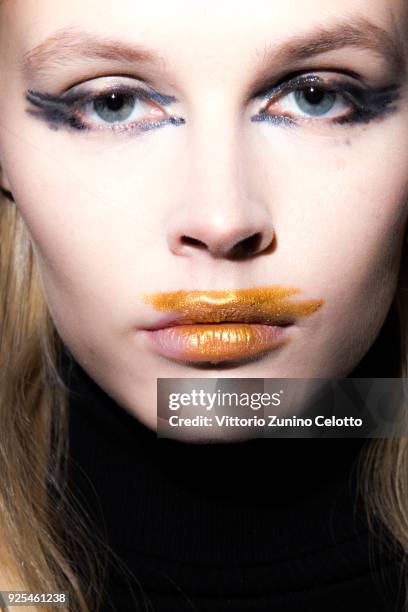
column 71, row 44
column 359, row 33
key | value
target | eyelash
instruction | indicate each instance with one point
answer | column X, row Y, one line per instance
column 66, row 109
column 366, row 104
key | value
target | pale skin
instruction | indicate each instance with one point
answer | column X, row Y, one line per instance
column 107, row 209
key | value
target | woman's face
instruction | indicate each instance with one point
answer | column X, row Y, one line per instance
column 167, row 146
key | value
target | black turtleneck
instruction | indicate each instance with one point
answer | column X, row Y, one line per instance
column 267, row 525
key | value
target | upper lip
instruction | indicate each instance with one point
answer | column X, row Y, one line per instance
column 262, row 305
column 176, row 320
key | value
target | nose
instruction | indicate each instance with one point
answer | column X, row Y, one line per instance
column 221, row 216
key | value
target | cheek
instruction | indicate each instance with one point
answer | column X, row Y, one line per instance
column 340, row 212
column 351, row 193
column 92, row 220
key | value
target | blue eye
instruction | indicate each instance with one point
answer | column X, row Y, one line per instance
column 315, row 101
column 121, row 109
column 115, row 107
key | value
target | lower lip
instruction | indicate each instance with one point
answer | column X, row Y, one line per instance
column 218, row 341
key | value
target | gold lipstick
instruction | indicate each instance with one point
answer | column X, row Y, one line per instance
column 226, row 325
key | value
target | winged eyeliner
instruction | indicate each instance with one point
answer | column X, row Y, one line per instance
column 369, row 103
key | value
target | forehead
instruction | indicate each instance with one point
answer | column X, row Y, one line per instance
column 191, row 40
column 193, row 22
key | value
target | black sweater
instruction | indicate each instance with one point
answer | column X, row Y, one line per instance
column 267, row 525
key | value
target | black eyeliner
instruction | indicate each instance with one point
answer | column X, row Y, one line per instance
column 82, row 97
column 369, row 103
column 60, row 110
column 290, row 85
column 52, row 111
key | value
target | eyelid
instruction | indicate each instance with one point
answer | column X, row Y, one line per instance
column 288, row 84
column 335, row 84
column 67, row 107
column 297, row 83
column 369, row 102
column 73, row 97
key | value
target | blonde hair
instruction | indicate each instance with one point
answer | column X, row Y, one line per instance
column 34, row 440
column 34, row 448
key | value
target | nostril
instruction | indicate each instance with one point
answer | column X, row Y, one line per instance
column 247, row 246
column 242, row 249
column 192, row 242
